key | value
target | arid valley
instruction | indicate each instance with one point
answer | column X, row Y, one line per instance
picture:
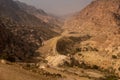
column 36, row 45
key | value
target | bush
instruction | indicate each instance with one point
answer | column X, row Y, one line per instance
column 119, row 68
column 114, row 56
column 95, row 67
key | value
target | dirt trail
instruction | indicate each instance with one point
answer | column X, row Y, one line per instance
column 54, row 42
column 54, row 59
column 49, row 47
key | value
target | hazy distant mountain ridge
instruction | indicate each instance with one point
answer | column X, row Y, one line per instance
column 54, row 22
column 30, row 9
column 9, row 8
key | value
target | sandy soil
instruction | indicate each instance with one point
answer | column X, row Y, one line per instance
column 11, row 72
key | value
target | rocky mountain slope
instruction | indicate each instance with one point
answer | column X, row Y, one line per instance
column 22, row 15
column 54, row 22
column 96, row 16
column 8, row 7
column 91, row 39
column 88, row 49
column 24, row 24
column 100, row 20
column 12, row 47
column 39, row 13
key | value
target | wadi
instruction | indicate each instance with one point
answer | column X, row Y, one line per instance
column 35, row 45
